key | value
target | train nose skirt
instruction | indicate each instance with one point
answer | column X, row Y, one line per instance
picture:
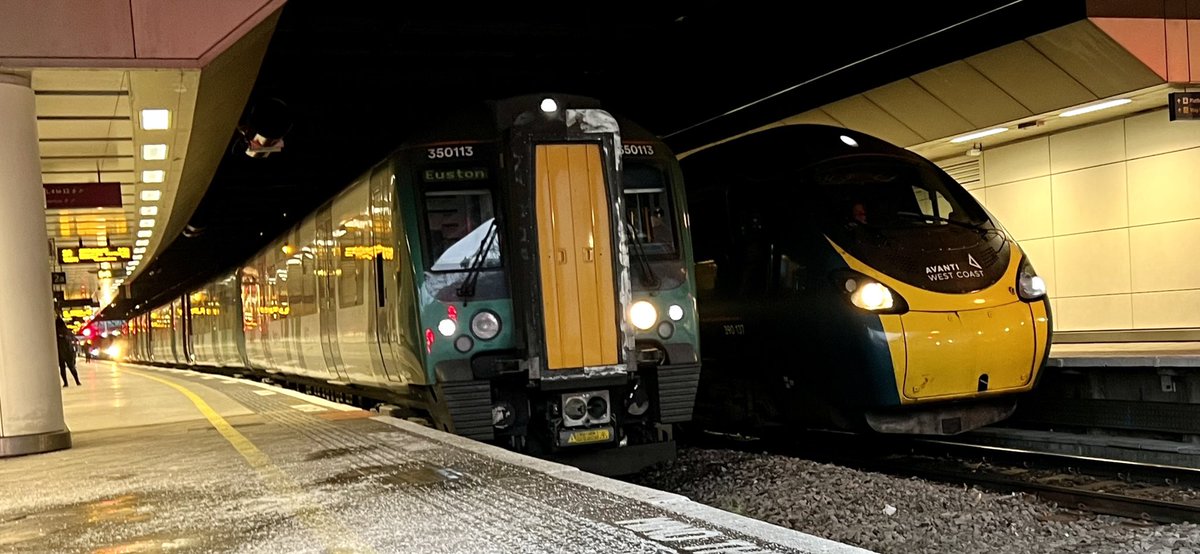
column 942, row 420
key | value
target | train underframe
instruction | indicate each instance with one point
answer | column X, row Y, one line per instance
column 612, row 423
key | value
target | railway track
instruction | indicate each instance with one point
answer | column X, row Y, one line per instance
column 1146, row 492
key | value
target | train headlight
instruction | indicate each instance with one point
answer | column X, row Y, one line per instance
column 869, row 294
column 873, row 296
column 485, row 325
column 1029, row 285
column 447, row 327
column 643, row 315
column 675, row 312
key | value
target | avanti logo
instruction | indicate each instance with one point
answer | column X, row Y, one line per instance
column 971, row 261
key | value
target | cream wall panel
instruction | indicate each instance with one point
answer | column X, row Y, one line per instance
column 1092, row 263
column 1017, row 161
column 1095, row 313
column 1152, row 133
column 1162, row 310
column 1165, row 257
column 1023, row 207
column 1164, row 188
column 1041, row 255
column 1091, row 199
column 1087, row 147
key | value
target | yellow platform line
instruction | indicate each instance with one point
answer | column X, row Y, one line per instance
column 328, row 529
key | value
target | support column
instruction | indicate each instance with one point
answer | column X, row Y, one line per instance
column 31, row 409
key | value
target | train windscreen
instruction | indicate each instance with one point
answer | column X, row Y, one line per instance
column 461, row 230
column 648, row 209
column 905, row 218
column 652, row 237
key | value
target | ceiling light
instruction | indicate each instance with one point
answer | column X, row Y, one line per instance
column 154, row 176
column 139, row 250
column 980, row 134
column 1096, row 107
column 149, row 210
column 156, row 120
column 146, row 223
column 151, row 195
column 137, row 257
column 145, row 233
column 154, row 152
column 142, row 242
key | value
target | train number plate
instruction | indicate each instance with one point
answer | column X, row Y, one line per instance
column 589, row 436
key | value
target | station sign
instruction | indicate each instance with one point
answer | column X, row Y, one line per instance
column 1184, row 105
column 62, row 196
column 94, row 254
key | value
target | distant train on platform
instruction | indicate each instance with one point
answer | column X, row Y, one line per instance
column 521, row 275
column 848, row 283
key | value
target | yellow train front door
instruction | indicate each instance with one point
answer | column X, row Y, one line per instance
column 578, row 296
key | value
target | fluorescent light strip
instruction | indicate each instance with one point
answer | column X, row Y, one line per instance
column 156, row 119
column 980, row 134
column 1095, row 107
column 154, row 152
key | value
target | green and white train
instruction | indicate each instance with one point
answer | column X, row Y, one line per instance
column 521, row 275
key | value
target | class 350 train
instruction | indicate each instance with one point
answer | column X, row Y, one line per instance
column 520, row 273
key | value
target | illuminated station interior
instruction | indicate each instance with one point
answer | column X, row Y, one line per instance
column 172, row 165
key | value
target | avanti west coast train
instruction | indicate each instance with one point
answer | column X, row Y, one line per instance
column 848, row 283
column 521, row 276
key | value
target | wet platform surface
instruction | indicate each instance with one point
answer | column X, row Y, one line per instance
column 174, row 461
column 1126, row 354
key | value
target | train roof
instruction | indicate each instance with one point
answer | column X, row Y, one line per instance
column 486, row 120
column 791, row 147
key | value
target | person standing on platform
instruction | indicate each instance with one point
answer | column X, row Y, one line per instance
column 66, row 350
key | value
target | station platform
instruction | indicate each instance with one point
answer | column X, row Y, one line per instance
column 1125, row 354
column 173, row 460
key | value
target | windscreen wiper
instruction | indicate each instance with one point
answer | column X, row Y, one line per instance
column 977, row 227
column 467, row 288
column 648, row 276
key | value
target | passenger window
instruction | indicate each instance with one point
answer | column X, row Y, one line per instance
column 277, row 304
column 302, row 283
column 351, row 248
